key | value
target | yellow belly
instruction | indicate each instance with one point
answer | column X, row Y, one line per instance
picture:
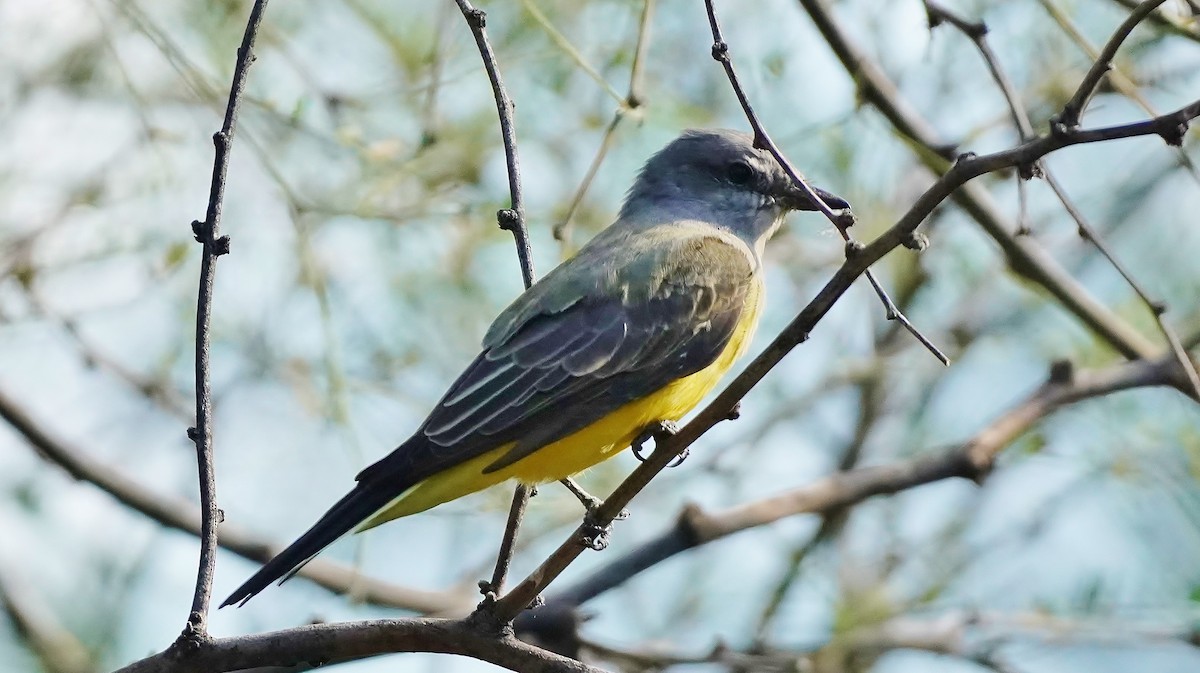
column 585, row 448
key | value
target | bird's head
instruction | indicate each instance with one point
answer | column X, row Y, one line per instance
column 719, row 176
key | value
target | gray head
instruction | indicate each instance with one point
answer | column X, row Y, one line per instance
column 719, row 176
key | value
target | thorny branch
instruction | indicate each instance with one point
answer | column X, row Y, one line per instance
column 207, row 233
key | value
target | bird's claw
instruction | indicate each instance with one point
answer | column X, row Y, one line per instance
column 593, row 535
column 658, row 431
column 680, row 458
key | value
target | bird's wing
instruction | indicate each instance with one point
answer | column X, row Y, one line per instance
column 584, row 344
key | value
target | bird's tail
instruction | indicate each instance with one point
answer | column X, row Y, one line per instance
column 357, row 505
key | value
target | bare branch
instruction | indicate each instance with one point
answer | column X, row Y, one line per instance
column 630, row 106
column 512, row 219
column 977, row 33
column 971, row 459
column 207, row 233
column 333, row 643
column 1074, row 107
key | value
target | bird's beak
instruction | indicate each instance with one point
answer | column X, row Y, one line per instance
column 794, row 198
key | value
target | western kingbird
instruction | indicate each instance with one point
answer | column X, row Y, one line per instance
column 636, row 328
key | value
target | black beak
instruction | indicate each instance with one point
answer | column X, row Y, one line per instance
column 795, row 199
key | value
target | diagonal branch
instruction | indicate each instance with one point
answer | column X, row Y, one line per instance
column 720, row 52
column 977, row 33
column 1073, row 110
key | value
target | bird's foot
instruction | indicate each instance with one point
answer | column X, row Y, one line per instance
column 593, row 534
column 658, row 432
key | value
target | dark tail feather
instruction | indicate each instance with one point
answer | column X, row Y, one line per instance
column 351, row 510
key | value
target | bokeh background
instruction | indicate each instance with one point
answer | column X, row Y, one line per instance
column 366, row 264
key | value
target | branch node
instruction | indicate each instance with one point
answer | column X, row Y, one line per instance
column 734, row 413
column 508, row 218
column 964, row 157
column 720, row 51
column 1158, row 308
column 854, row 249
column 477, row 18
column 1172, row 134
column 193, row 638
column 1029, row 170
column 916, row 241
column 193, row 434
column 199, row 229
column 220, row 246
column 1062, row 372
column 844, row 219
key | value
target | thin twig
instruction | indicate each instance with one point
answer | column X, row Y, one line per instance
column 841, row 222
column 632, row 105
column 207, row 233
column 1157, row 308
column 504, row 556
column 511, row 219
column 1073, row 110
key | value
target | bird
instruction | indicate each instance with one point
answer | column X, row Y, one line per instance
column 633, row 330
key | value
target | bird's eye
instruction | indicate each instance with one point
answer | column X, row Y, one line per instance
column 739, row 173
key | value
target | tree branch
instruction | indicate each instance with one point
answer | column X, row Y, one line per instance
column 1073, row 110
column 207, row 233
column 324, row 644
column 512, row 219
